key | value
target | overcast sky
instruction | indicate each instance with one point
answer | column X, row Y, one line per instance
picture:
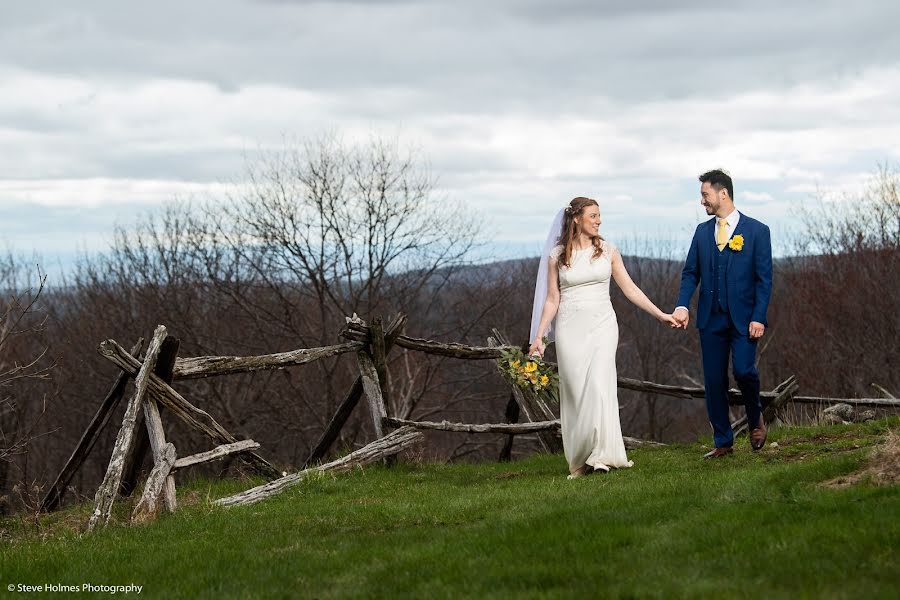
column 109, row 109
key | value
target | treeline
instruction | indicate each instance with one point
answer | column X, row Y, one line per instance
column 331, row 230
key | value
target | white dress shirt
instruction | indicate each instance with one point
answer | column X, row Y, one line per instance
column 731, row 222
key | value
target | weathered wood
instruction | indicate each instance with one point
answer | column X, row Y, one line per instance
column 155, row 430
column 389, row 445
column 378, row 348
column 533, row 407
column 90, row 436
column 884, row 391
column 372, row 389
column 779, row 390
column 379, row 357
column 678, row 391
column 509, row 428
column 106, row 493
column 512, row 416
column 134, row 460
column 149, row 504
column 735, row 398
column 140, row 447
column 351, row 400
column 632, row 443
column 208, row 366
column 215, row 454
column 194, row 417
column 506, row 428
column 452, row 349
column 523, row 405
column 868, row 402
column 497, row 341
column 783, row 393
column 530, row 414
column 333, row 429
column 355, row 331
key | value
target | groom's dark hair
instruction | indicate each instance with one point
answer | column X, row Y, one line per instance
column 719, row 179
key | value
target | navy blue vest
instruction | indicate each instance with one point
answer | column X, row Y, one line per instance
column 720, row 291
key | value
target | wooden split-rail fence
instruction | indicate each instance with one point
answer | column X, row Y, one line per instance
column 154, row 376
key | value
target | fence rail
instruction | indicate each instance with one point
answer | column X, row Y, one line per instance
column 371, row 345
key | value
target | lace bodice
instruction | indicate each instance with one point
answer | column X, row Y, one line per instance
column 586, row 272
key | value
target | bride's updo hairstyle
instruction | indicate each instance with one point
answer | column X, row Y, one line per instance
column 570, row 230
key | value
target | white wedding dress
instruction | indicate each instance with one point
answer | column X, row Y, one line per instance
column 587, row 335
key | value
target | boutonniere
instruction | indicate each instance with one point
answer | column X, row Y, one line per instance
column 736, row 243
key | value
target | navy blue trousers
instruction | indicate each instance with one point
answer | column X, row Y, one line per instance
column 717, row 340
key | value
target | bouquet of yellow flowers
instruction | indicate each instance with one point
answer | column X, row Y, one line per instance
column 529, row 373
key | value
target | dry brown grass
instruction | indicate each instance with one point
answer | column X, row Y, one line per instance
column 882, row 468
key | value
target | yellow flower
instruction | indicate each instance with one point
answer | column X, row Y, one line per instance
column 736, row 243
column 544, row 380
column 515, row 364
column 531, row 367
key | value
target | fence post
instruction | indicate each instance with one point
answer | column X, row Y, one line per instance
column 165, row 366
column 351, row 399
column 372, row 389
column 512, row 416
column 106, row 493
column 531, row 406
column 54, row 497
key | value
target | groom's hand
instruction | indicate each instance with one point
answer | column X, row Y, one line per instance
column 756, row 330
column 681, row 315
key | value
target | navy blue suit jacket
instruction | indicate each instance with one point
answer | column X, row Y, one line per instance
column 748, row 275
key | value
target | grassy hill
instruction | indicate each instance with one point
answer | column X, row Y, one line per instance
column 818, row 516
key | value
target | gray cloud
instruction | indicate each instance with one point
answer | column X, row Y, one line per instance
column 513, row 101
column 501, row 53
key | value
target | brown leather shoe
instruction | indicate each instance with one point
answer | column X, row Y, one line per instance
column 719, row 452
column 758, row 436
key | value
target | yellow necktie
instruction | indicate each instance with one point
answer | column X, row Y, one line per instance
column 722, row 234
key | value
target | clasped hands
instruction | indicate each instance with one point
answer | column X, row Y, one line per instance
column 756, row 329
column 677, row 320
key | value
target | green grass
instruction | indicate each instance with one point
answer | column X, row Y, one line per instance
column 674, row 526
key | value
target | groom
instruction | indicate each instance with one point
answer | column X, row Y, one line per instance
column 731, row 259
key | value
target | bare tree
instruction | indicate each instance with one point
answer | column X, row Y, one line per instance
column 842, row 292
column 312, row 234
column 331, row 229
column 23, row 362
column 849, row 222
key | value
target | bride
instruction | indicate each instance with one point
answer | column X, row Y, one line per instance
column 572, row 297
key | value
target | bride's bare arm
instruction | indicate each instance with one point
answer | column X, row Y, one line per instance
column 551, row 305
column 634, row 293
